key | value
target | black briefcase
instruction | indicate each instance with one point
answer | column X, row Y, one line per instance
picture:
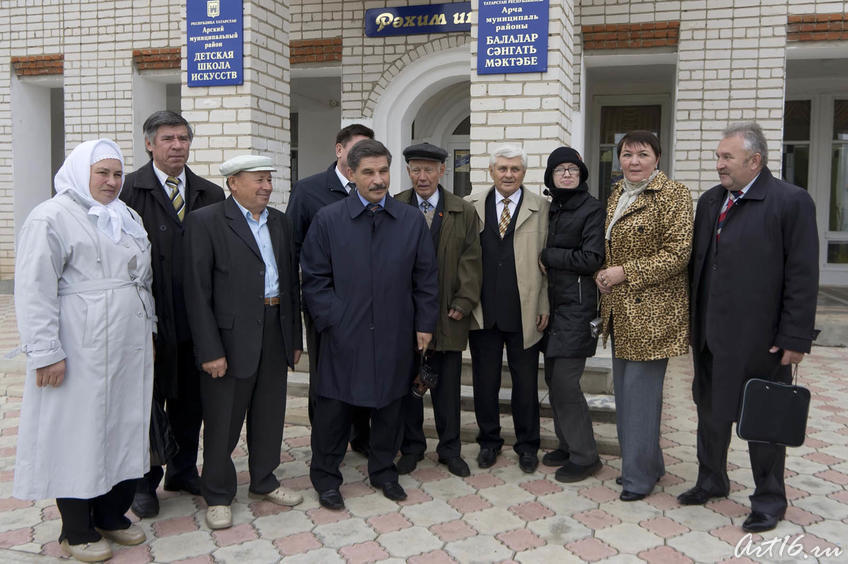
column 774, row 412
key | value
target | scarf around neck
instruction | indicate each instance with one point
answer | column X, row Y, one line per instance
column 75, row 174
column 630, row 191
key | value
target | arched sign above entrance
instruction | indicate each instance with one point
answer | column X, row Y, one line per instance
column 414, row 20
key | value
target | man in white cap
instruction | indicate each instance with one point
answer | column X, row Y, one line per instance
column 243, row 298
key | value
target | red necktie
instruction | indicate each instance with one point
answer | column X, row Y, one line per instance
column 722, row 217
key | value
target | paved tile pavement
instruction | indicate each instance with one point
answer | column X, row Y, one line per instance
column 499, row 514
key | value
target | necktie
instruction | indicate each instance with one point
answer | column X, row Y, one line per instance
column 428, row 211
column 374, row 208
column 176, row 199
column 722, row 217
column 505, row 218
column 351, row 187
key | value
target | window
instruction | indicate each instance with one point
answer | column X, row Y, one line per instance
column 615, row 122
column 837, row 250
column 796, row 142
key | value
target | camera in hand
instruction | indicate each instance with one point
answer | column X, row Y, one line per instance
column 427, row 376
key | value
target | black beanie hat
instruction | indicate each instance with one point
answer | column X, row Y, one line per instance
column 564, row 155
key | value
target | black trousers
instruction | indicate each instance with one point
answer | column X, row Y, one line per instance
column 360, row 431
column 445, row 397
column 330, row 431
column 80, row 516
column 226, row 401
column 767, row 460
column 185, row 415
column 486, row 359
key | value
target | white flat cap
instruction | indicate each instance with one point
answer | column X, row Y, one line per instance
column 247, row 163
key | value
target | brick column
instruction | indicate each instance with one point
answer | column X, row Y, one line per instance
column 731, row 67
column 252, row 117
column 530, row 109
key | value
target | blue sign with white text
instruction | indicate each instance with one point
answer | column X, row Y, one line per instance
column 413, row 20
column 512, row 36
column 215, row 30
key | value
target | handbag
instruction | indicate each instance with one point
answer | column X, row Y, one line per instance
column 774, row 412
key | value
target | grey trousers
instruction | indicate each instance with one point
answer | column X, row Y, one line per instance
column 638, row 409
column 572, row 422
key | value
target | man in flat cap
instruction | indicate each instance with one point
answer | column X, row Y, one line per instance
column 370, row 283
column 243, row 298
column 455, row 231
column 163, row 192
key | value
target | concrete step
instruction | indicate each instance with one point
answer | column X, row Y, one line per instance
column 597, row 376
column 601, row 409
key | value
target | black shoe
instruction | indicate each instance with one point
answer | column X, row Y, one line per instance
column 487, row 457
column 331, row 499
column 145, row 505
column 631, row 496
column 696, row 496
column 760, row 522
column 528, row 462
column 619, row 480
column 571, row 472
column 456, row 466
column 556, row 457
column 190, row 485
column 393, row 491
column 360, row 448
column 407, row 462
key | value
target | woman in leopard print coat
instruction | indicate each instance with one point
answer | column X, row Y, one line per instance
column 645, row 301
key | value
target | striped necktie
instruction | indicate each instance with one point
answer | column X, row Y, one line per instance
column 428, row 211
column 176, row 200
column 505, row 218
column 722, row 217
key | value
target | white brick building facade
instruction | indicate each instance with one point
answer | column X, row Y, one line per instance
column 686, row 68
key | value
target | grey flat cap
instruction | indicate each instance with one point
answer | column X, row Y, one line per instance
column 247, row 163
column 425, row 152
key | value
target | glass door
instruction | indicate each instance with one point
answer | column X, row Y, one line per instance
column 616, row 121
column 837, row 228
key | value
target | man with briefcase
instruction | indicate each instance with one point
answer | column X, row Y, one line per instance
column 754, row 282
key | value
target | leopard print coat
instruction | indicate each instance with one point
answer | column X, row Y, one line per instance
column 649, row 311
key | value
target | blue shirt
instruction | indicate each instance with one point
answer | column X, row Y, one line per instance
column 263, row 240
column 366, row 203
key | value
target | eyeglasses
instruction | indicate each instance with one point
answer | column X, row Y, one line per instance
column 563, row 171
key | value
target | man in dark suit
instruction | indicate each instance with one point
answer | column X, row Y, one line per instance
column 370, row 282
column 243, row 298
column 163, row 192
column 456, row 236
column 308, row 196
column 754, row 282
column 513, row 309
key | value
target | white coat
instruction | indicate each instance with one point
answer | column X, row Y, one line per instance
column 83, row 298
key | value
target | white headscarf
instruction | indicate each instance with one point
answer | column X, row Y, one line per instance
column 75, row 175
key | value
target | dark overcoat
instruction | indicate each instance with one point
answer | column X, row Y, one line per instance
column 370, row 282
column 225, row 287
column 309, row 195
column 762, row 286
column 573, row 253
column 460, row 262
column 143, row 192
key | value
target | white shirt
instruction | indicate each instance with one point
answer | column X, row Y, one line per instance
column 181, row 178
column 514, row 198
column 343, row 179
column 434, row 199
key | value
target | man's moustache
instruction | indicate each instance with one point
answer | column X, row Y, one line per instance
column 376, row 187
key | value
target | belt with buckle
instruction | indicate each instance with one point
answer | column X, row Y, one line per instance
column 272, row 301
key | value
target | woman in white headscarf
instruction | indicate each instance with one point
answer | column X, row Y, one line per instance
column 644, row 301
column 85, row 316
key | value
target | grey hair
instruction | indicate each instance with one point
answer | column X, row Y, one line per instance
column 367, row 148
column 160, row 118
column 508, row 152
column 752, row 137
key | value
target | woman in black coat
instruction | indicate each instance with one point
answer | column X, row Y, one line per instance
column 574, row 252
